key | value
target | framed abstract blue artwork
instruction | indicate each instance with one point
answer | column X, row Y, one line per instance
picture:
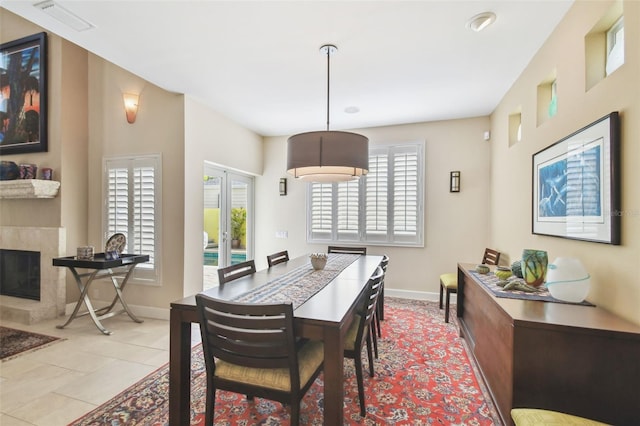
column 576, row 184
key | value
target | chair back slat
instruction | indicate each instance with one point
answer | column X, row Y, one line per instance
column 369, row 306
column 490, row 257
column 254, row 335
column 233, row 272
column 279, row 257
column 347, row 250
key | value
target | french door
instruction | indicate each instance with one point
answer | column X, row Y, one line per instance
column 228, row 218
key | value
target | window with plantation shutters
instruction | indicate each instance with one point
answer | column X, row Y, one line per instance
column 132, row 207
column 384, row 207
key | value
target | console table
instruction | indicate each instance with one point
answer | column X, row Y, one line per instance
column 581, row 360
column 102, row 267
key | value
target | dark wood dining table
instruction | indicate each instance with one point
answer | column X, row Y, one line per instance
column 325, row 316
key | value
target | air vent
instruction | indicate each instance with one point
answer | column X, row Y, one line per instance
column 63, row 15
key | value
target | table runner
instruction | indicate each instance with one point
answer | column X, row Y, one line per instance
column 490, row 281
column 300, row 284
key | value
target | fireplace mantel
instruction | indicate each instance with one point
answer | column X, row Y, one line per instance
column 29, row 188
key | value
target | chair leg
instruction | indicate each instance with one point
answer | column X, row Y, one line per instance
column 370, row 356
column 372, row 331
column 446, row 311
column 441, row 288
column 360, row 380
column 295, row 413
column 210, row 406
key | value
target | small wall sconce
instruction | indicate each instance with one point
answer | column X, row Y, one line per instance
column 283, row 186
column 454, row 181
column 130, row 106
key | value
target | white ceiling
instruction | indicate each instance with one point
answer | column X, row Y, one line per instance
column 258, row 62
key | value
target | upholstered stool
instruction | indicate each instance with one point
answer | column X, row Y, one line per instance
column 536, row 417
column 448, row 285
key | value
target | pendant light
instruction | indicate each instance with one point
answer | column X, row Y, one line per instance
column 327, row 156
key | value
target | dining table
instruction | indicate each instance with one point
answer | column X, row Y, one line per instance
column 325, row 313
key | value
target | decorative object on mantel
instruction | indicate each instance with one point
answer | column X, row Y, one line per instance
column 534, row 266
column 29, row 188
column 47, row 173
column 9, row 170
column 568, row 280
column 327, row 156
column 28, row 171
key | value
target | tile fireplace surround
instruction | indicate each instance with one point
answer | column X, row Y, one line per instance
column 50, row 242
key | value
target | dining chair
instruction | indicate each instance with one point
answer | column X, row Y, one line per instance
column 233, row 272
column 347, row 250
column 449, row 281
column 252, row 349
column 279, row 257
column 359, row 333
column 379, row 313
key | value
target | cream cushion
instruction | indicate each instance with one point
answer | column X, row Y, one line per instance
column 310, row 356
column 450, row 280
column 537, row 417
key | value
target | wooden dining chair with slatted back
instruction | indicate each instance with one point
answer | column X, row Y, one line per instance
column 359, row 334
column 252, row 349
column 233, row 272
column 347, row 250
column 379, row 313
column 449, row 281
column 279, row 257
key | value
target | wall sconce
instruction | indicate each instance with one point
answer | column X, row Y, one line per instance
column 283, row 186
column 130, row 106
column 454, row 181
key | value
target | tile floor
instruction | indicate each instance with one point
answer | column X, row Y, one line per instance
column 58, row 384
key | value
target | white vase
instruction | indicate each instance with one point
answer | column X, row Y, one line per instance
column 568, row 280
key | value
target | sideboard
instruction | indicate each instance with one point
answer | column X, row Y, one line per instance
column 577, row 359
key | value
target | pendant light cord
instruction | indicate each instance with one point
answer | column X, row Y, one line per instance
column 328, row 85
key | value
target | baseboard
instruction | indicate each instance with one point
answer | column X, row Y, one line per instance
column 417, row 295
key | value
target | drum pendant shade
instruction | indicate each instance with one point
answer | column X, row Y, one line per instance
column 327, row 156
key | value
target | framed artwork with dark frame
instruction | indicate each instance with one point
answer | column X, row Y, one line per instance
column 576, row 184
column 23, row 99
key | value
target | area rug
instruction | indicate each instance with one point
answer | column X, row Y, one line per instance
column 16, row 342
column 423, row 376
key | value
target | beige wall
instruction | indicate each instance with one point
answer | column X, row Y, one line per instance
column 210, row 137
column 615, row 284
column 456, row 224
column 158, row 129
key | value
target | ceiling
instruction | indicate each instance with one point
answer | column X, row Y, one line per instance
column 259, row 63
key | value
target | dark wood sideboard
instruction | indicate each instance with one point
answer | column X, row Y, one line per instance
column 580, row 360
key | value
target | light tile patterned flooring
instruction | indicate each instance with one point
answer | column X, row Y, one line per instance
column 57, row 384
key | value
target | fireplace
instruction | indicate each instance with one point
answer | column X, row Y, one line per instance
column 49, row 300
column 20, row 273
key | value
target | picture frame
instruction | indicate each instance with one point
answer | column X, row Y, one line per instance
column 576, row 184
column 23, row 99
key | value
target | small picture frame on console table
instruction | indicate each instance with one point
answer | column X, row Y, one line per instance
column 576, row 184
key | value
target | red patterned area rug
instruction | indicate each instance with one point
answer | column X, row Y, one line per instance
column 16, row 342
column 423, row 377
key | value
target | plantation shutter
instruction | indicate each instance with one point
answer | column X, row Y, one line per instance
column 321, row 220
column 384, row 207
column 348, row 211
column 376, row 198
column 132, row 207
column 405, row 194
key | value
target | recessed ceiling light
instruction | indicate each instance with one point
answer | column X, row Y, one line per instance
column 63, row 15
column 352, row 109
column 481, row 21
